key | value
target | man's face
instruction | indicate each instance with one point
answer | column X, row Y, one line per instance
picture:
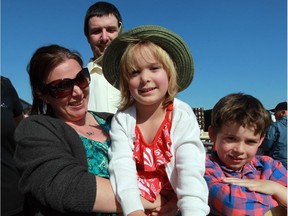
column 280, row 113
column 102, row 31
column 236, row 145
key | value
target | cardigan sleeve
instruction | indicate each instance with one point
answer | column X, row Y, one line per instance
column 122, row 166
column 53, row 165
column 187, row 175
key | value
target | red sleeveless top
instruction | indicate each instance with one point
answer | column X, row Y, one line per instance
column 151, row 159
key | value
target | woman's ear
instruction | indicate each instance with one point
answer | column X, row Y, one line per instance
column 41, row 96
column 211, row 133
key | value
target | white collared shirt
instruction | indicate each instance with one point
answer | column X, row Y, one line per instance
column 103, row 97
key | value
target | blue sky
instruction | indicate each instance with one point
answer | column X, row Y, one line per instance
column 237, row 46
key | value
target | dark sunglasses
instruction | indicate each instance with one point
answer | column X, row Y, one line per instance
column 64, row 87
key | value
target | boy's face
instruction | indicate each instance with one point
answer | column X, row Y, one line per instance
column 235, row 144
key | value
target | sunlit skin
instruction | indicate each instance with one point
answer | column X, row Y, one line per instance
column 71, row 108
column 148, row 85
column 236, row 145
column 102, row 31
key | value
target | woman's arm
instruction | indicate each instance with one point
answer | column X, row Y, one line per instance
column 104, row 196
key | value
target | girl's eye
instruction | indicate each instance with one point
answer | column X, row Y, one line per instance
column 155, row 67
column 133, row 73
column 230, row 139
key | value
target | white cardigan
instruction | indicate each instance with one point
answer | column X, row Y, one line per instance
column 185, row 170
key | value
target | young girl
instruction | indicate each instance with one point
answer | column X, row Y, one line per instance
column 155, row 137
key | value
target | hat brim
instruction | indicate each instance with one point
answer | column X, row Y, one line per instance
column 166, row 39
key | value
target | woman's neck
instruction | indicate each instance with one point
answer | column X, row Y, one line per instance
column 87, row 119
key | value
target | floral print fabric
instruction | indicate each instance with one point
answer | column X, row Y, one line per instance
column 151, row 159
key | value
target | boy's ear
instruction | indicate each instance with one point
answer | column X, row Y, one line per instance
column 211, row 134
column 261, row 139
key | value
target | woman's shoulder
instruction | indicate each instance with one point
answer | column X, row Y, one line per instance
column 41, row 119
column 42, row 123
column 107, row 117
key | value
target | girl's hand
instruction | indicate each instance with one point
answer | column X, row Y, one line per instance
column 167, row 209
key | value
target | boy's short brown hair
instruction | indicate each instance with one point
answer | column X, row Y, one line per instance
column 243, row 109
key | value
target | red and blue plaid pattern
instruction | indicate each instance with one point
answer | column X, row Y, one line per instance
column 227, row 199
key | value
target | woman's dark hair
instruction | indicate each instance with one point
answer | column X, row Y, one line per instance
column 43, row 61
column 100, row 9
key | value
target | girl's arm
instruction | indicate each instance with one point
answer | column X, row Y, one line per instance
column 190, row 186
column 122, row 166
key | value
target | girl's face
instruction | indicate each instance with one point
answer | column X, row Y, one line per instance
column 148, row 84
column 73, row 107
column 236, row 145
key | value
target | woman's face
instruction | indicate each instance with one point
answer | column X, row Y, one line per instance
column 74, row 106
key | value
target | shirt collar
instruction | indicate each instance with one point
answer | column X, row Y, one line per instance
column 94, row 67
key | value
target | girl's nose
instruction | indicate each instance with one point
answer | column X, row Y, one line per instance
column 145, row 78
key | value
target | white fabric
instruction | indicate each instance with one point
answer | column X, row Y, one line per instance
column 185, row 171
column 103, row 97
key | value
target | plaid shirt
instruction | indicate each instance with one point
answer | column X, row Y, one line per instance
column 227, row 199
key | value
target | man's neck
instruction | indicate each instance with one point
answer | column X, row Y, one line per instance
column 98, row 60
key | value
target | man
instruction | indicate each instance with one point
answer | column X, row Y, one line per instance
column 102, row 25
column 275, row 142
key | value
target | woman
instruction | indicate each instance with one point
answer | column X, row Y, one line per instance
column 62, row 147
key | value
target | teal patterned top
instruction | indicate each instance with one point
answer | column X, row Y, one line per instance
column 97, row 155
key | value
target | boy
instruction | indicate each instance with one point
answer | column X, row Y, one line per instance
column 239, row 181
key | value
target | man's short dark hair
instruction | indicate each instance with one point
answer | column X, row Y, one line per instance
column 100, row 9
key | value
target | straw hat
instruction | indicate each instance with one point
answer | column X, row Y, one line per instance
column 166, row 39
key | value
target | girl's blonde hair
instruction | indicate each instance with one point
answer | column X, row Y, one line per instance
column 145, row 50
